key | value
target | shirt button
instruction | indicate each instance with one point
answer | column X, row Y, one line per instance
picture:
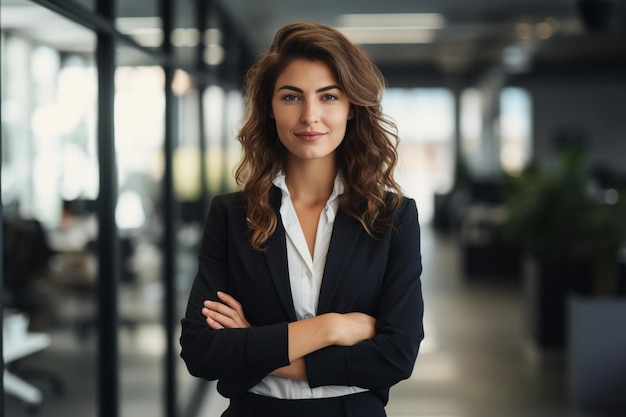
column 308, row 316
column 309, row 274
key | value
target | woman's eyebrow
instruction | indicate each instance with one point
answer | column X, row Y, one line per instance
column 299, row 90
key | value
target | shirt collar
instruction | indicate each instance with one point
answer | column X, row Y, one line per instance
column 332, row 204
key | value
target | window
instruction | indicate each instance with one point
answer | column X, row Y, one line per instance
column 425, row 119
column 515, row 129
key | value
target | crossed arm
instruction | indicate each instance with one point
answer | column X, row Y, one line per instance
column 304, row 336
column 334, row 347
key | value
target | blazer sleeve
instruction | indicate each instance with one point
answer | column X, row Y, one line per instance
column 390, row 355
column 244, row 355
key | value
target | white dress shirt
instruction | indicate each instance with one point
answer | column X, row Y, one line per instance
column 305, row 277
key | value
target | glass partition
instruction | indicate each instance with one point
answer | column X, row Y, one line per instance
column 214, row 99
column 232, row 148
column 50, row 188
column 139, row 129
column 49, row 183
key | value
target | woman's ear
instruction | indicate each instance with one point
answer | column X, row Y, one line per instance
column 351, row 113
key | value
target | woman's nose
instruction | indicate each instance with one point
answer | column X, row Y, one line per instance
column 310, row 113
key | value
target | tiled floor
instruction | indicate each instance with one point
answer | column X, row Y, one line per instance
column 475, row 360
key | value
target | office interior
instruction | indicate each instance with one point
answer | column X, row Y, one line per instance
column 119, row 123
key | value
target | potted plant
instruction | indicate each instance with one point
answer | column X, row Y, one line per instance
column 546, row 220
column 573, row 238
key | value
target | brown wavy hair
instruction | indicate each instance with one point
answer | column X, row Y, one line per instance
column 366, row 157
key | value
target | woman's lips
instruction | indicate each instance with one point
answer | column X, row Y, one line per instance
column 310, row 136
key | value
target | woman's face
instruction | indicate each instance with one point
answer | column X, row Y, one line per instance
column 310, row 110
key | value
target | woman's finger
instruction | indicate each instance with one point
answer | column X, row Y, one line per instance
column 223, row 320
column 213, row 324
column 227, row 312
column 220, row 308
column 235, row 305
column 224, row 315
column 231, row 302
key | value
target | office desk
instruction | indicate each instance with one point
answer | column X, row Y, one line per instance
column 16, row 348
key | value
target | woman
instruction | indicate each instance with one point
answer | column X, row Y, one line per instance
column 307, row 300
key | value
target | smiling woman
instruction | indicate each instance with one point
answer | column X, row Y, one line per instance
column 307, row 300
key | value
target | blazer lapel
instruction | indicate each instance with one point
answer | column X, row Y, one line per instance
column 276, row 258
column 346, row 232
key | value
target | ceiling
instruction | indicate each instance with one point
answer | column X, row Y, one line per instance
column 520, row 36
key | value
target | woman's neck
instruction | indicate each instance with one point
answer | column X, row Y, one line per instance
column 311, row 182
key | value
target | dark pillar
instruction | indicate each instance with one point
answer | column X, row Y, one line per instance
column 108, row 247
column 169, row 214
column 459, row 159
column 1, row 289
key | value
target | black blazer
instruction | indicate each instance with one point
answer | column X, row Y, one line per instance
column 379, row 277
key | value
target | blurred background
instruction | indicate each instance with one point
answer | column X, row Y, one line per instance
column 119, row 121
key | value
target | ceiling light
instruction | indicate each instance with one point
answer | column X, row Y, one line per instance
column 524, row 30
column 146, row 31
column 544, row 30
column 212, row 36
column 128, row 24
column 213, row 54
column 387, row 35
column 182, row 37
column 412, row 20
column 390, row 28
column 150, row 37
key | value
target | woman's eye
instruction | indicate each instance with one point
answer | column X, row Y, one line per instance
column 329, row 97
column 290, row 97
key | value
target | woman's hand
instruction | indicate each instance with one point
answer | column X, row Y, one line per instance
column 307, row 336
column 227, row 314
column 352, row 328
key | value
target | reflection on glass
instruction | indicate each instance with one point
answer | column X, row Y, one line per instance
column 187, row 173
column 214, row 119
column 139, row 133
column 139, row 109
column 187, row 158
column 50, row 131
column 234, row 117
column 129, row 213
column 49, row 179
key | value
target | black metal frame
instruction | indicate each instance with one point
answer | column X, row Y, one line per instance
column 1, row 290
column 169, row 213
column 108, row 243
